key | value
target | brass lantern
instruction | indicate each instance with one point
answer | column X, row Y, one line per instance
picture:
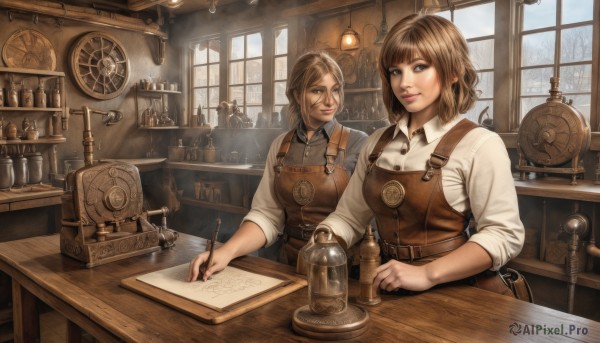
column 328, row 314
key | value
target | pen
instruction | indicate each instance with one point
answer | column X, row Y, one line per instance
column 212, row 246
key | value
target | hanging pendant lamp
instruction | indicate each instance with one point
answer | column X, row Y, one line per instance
column 350, row 39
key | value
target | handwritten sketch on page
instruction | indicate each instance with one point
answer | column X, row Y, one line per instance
column 230, row 286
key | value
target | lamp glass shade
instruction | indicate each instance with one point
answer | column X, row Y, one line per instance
column 350, row 39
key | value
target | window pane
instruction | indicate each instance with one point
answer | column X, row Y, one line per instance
column 199, row 76
column 213, row 117
column 480, row 105
column 280, row 97
column 476, row 21
column 576, row 79
column 576, row 44
column 237, row 48
column 281, row 68
column 254, row 94
column 214, row 52
column 236, row 73
column 236, row 93
column 254, row 71
column 200, row 53
column 574, row 11
column 444, row 14
column 536, row 81
column 542, row 14
column 538, row 49
column 253, row 111
column 281, row 41
column 254, row 45
column 528, row 103
column 200, row 97
column 213, row 97
column 482, row 53
column 213, row 75
column 486, row 84
column 582, row 104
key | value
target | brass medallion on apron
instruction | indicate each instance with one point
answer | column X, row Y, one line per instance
column 309, row 193
column 416, row 223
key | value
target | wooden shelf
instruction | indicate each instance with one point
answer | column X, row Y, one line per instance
column 31, row 71
column 159, row 127
column 36, row 141
column 219, row 167
column 31, row 109
column 30, row 196
column 553, row 271
column 215, row 206
column 157, row 92
column 559, row 188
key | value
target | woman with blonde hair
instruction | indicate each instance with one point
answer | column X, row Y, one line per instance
column 433, row 171
column 306, row 171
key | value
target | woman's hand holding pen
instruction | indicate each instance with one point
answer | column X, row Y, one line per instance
column 220, row 260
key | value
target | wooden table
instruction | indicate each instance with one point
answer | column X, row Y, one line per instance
column 91, row 299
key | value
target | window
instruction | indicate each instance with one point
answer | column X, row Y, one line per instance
column 476, row 22
column 246, row 73
column 556, row 40
column 205, row 78
column 280, row 71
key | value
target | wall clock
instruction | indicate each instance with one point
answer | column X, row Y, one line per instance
column 29, row 49
column 100, row 65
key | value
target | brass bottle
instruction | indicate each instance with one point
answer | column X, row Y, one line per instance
column 370, row 259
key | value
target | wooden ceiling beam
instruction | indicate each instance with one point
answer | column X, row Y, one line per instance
column 87, row 15
column 138, row 5
column 319, row 6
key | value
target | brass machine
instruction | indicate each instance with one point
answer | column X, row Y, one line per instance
column 102, row 215
column 553, row 135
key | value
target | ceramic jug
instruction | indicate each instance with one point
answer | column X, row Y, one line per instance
column 210, row 152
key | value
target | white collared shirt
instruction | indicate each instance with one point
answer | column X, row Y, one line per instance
column 477, row 177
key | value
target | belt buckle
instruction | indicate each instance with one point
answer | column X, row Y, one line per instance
column 306, row 231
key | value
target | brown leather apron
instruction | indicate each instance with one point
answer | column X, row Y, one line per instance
column 309, row 193
column 416, row 223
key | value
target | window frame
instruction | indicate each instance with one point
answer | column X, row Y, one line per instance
column 507, row 48
column 206, row 110
column 268, row 65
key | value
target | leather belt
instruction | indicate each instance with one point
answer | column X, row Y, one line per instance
column 303, row 232
column 413, row 252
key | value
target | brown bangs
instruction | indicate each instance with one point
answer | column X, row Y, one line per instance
column 407, row 48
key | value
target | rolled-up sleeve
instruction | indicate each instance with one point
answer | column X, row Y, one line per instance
column 493, row 201
column 267, row 211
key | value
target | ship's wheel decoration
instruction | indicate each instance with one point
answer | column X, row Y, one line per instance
column 552, row 135
column 100, row 65
column 29, row 49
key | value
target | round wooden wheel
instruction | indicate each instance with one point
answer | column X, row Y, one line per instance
column 100, row 65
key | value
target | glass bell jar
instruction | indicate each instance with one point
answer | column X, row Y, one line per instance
column 328, row 315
